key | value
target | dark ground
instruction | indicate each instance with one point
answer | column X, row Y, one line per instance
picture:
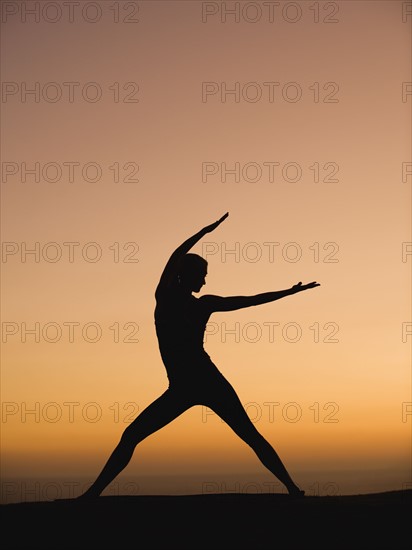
column 213, row 521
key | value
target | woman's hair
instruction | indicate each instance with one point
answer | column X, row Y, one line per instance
column 191, row 264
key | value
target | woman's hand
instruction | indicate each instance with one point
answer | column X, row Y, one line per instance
column 299, row 287
column 213, row 226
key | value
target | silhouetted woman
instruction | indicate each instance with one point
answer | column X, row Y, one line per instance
column 180, row 320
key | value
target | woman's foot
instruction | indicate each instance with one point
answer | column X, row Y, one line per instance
column 295, row 492
column 88, row 495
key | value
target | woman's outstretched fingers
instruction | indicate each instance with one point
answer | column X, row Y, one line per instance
column 312, row 285
column 213, row 226
column 298, row 287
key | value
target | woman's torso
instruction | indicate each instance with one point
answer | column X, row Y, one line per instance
column 180, row 322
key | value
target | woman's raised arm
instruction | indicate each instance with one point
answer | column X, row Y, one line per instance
column 172, row 265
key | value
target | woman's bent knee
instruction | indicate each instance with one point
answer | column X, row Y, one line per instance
column 130, row 437
column 255, row 440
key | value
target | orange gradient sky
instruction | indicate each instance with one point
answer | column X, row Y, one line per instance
column 314, row 132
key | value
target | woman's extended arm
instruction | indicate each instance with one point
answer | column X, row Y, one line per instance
column 172, row 265
column 230, row 303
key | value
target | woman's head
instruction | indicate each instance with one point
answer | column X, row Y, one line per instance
column 192, row 272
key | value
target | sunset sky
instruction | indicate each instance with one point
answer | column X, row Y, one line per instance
column 126, row 128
